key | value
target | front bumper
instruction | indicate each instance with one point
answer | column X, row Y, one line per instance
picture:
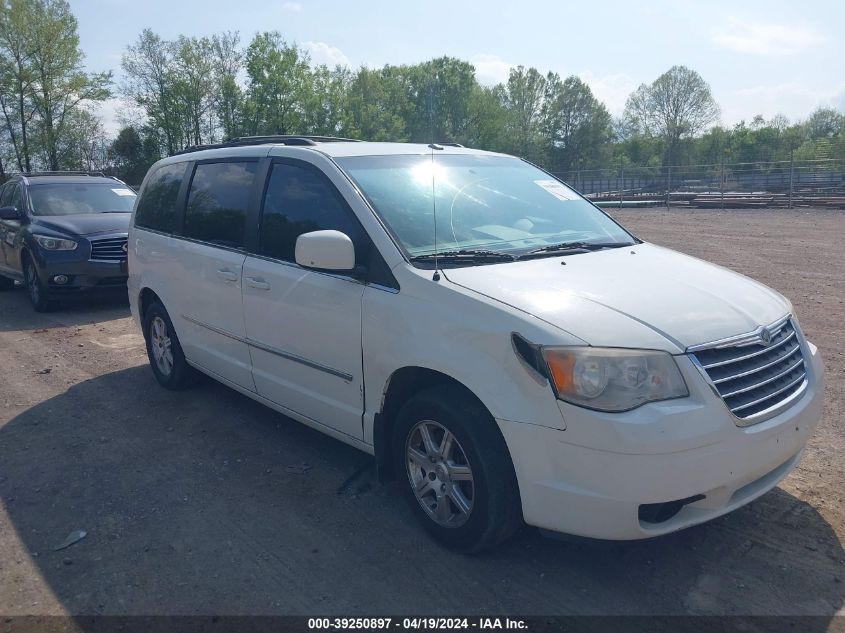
column 86, row 277
column 592, row 478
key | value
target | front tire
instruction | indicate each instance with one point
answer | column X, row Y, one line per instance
column 456, row 469
column 35, row 289
column 164, row 351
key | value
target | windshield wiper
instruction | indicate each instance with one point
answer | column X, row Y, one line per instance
column 466, row 255
column 572, row 247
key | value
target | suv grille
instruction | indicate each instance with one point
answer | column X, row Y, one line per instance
column 753, row 377
column 112, row 249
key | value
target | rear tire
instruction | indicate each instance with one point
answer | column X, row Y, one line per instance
column 456, row 470
column 35, row 289
column 164, row 351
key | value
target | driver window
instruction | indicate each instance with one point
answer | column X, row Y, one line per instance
column 299, row 199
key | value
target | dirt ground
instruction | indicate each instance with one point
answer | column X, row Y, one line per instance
column 205, row 502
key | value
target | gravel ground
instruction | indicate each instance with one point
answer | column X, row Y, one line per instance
column 205, row 502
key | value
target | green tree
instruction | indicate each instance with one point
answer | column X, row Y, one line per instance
column 278, row 83
column 376, row 104
column 439, row 99
column 132, row 152
column 325, row 106
column 60, row 87
column 16, row 77
column 148, row 65
column 194, row 89
column 677, row 105
column 228, row 61
column 824, row 123
column 522, row 97
column 83, row 144
column 575, row 126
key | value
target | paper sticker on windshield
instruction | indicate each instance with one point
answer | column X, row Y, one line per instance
column 557, row 189
column 123, row 192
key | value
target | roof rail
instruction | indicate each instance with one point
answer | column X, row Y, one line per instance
column 278, row 139
column 451, row 144
column 96, row 174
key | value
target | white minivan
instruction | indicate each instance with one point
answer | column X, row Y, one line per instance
column 504, row 349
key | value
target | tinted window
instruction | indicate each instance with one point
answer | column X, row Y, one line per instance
column 157, row 206
column 300, row 200
column 217, row 202
column 73, row 198
column 4, row 194
column 12, row 197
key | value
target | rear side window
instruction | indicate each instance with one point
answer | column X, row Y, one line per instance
column 10, row 195
column 217, row 202
column 14, row 197
column 157, row 206
column 300, row 200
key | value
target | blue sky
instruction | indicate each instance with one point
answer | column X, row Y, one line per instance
column 758, row 57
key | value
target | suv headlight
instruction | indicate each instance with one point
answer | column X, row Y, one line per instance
column 54, row 243
column 613, row 379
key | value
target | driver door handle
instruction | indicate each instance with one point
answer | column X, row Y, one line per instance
column 227, row 275
column 257, row 282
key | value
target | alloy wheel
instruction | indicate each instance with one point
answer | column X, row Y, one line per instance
column 440, row 474
column 160, row 343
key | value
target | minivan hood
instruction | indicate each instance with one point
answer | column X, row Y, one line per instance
column 85, row 223
column 639, row 296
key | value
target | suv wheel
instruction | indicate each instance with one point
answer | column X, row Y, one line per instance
column 35, row 289
column 458, row 474
column 164, row 351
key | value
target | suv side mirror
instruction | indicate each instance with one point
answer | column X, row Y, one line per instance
column 9, row 213
column 325, row 250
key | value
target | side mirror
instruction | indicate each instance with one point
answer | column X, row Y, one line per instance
column 9, row 213
column 325, row 250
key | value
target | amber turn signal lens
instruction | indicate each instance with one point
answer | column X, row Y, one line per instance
column 561, row 365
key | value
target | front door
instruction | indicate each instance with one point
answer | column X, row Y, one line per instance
column 304, row 326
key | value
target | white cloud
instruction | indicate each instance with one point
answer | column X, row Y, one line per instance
column 771, row 40
column 322, row 53
column 793, row 99
column 612, row 90
column 111, row 113
column 491, row 69
column 293, row 7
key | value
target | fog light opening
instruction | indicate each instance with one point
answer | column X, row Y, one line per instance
column 61, row 280
column 660, row 512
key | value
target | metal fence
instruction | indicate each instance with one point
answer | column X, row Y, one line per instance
column 788, row 183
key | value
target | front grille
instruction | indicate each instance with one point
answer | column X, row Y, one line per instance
column 112, row 249
column 754, row 377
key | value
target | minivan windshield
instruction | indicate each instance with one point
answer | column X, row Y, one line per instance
column 485, row 205
column 73, row 198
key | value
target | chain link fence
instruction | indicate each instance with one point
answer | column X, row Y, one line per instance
column 791, row 183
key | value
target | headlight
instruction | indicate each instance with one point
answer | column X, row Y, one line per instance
column 54, row 243
column 610, row 379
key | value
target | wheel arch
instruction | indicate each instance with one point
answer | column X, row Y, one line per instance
column 145, row 299
column 402, row 384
